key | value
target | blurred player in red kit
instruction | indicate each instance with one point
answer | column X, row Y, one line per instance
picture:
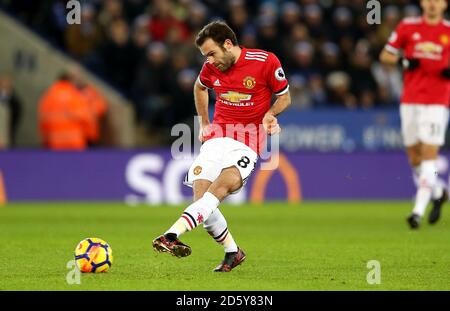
column 244, row 81
column 425, row 42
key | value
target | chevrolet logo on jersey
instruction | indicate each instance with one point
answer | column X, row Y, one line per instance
column 429, row 47
column 235, row 97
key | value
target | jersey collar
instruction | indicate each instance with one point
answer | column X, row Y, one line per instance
column 242, row 56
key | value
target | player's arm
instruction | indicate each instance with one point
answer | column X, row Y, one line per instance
column 445, row 73
column 201, row 99
column 270, row 121
column 391, row 55
column 389, row 58
column 276, row 79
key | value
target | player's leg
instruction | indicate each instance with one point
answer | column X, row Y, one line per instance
column 238, row 166
column 199, row 188
column 437, row 126
column 194, row 215
column 199, row 211
column 415, row 159
column 427, row 179
column 229, row 181
column 432, row 124
column 216, row 224
column 217, row 227
column 205, row 169
column 409, row 116
column 239, row 163
column 439, row 194
column 185, row 223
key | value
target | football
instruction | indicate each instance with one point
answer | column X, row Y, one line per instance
column 93, row 255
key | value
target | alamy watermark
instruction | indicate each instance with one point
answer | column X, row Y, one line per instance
column 251, row 135
column 374, row 275
column 74, row 12
column 74, row 275
column 374, row 14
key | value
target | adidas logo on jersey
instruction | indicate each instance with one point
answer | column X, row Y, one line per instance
column 416, row 36
column 217, row 83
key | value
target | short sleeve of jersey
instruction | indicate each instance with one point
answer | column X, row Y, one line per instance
column 204, row 78
column 276, row 78
column 397, row 40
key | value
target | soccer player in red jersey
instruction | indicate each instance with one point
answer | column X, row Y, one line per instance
column 244, row 81
column 425, row 42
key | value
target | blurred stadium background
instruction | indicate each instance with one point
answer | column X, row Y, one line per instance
column 135, row 64
column 130, row 67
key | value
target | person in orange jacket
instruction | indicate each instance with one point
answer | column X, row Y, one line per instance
column 96, row 102
column 65, row 119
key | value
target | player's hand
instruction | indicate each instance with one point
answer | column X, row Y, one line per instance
column 205, row 131
column 270, row 124
column 445, row 73
column 409, row 63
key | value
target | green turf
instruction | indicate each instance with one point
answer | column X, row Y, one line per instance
column 312, row 246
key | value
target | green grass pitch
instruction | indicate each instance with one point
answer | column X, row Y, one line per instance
column 311, row 246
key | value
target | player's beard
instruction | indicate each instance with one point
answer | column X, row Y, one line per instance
column 227, row 61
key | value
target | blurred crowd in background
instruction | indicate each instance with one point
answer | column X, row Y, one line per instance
column 145, row 48
column 9, row 102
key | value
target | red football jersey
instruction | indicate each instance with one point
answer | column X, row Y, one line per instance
column 430, row 44
column 243, row 95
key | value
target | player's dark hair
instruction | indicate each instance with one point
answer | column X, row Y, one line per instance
column 218, row 31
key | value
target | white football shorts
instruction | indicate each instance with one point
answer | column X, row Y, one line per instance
column 219, row 153
column 423, row 123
